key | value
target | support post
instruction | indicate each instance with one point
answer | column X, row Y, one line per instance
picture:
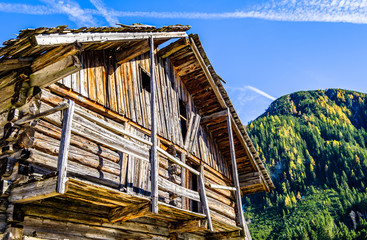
column 62, row 162
column 153, row 134
column 243, row 225
column 204, row 199
column 183, row 179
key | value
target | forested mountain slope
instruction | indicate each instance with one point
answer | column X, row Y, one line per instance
column 315, row 145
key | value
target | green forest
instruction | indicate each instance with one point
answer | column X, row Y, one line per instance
column 314, row 144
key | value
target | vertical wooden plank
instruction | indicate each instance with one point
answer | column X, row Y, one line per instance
column 83, row 81
column 136, row 83
column 153, row 136
column 203, row 198
column 241, row 217
column 130, row 174
column 62, row 162
column 112, row 83
column 119, row 88
column 194, row 132
column 91, row 79
column 131, row 91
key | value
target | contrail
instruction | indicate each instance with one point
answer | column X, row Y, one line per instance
column 261, row 92
column 106, row 13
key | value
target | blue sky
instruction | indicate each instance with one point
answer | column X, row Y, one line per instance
column 262, row 49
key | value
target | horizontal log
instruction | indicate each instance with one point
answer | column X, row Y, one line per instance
column 216, row 186
column 122, row 214
column 90, row 37
column 51, row 146
column 251, row 181
column 213, row 116
column 177, row 189
column 34, row 191
column 95, row 175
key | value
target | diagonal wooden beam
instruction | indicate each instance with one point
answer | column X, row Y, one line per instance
column 213, row 116
column 124, row 55
column 122, row 214
column 173, row 47
column 189, row 226
column 12, row 64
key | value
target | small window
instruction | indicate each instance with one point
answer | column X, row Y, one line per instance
column 183, row 119
column 145, row 79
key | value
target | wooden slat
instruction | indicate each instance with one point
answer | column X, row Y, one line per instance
column 177, row 189
column 64, row 148
column 204, row 199
column 153, row 135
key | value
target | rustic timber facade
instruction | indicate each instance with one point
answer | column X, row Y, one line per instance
column 86, row 155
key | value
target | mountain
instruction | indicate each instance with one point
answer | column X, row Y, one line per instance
column 314, row 143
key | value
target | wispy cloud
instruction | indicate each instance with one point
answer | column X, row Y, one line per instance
column 108, row 14
column 73, row 10
column 262, row 93
column 350, row 11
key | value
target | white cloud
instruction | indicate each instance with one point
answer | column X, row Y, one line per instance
column 351, row 11
column 108, row 14
column 73, row 10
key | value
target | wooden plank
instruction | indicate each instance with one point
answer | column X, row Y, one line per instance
column 153, row 135
column 29, row 118
column 217, row 186
column 204, row 199
column 189, row 130
column 243, row 225
column 194, row 133
column 55, row 71
column 173, row 47
column 91, row 37
column 124, row 55
column 62, row 163
column 178, row 162
column 207, row 74
column 34, row 191
column 213, row 116
column 177, row 189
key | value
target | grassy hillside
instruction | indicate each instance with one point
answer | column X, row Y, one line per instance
column 315, row 145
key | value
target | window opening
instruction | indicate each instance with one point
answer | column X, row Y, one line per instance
column 145, row 79
column 183, row 119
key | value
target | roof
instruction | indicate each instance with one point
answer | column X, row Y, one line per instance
column 186, row 55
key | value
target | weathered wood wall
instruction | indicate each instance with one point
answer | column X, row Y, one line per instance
column 119, row 88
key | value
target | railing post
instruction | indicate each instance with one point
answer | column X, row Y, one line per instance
column 62, row 162
column 153, row 135
column 204, row 199
column 242, row 221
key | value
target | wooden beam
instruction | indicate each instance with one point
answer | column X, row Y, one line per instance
column 216, row 186
column 213, row 116
column 243, row 225
column 183, row 179
column 93, row 37
column 12, row 64
column 29, row 118
column 235, row 235
column 173, row 47
column 189, row 130
column 204, row 199
column 153, row 134
column 177, row 189
column 122, row 214
column 178, row 162
column 124, row 55
column 34, row 191
column 55, row 55
column 189, row 226
column 62, row 162
column 55, row 71
column 207, row 74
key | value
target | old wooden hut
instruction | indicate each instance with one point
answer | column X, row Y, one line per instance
column 85, row 154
